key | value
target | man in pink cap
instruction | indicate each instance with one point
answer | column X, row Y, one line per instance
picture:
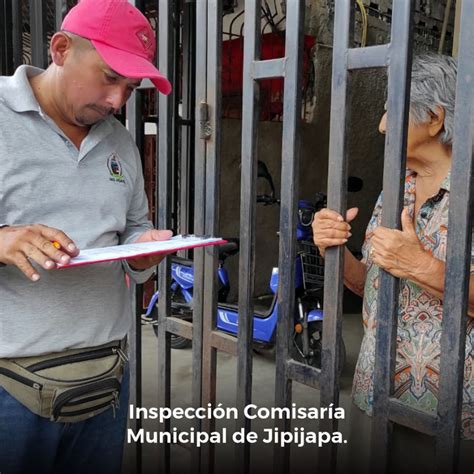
column 71, row 178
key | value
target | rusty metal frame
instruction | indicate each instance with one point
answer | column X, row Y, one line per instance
column 287, row 369
column 456, row 291
column 39, row 43
column 396, row 56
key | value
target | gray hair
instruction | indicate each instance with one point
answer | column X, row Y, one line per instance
column 433, row 84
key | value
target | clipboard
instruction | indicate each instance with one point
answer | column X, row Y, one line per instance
column 141, row 249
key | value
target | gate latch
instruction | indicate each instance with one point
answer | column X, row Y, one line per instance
column 205, row 130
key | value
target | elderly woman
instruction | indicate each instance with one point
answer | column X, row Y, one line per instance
column 415, row 254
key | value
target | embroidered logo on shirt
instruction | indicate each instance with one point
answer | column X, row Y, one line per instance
column 115, row 168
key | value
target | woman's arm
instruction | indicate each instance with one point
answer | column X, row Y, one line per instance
column 354, row 273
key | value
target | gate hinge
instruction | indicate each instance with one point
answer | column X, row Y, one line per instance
column 205, row 130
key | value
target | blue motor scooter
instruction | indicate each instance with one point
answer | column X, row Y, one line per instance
column 309, row 283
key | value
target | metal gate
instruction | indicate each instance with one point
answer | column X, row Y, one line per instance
column 396, row 56
column 201, row 36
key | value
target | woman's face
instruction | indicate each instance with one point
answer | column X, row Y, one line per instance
column 418, row 137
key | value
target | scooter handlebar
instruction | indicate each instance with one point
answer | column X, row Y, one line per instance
column 267, row 200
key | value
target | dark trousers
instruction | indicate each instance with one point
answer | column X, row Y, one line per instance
column 30, row 443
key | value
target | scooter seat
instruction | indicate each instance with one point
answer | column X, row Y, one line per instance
column 230, row 248
column 225, row 250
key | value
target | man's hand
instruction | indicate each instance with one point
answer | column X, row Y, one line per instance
column 141, row 263
column 20, row 244
column 399, row 252
column 330, row 229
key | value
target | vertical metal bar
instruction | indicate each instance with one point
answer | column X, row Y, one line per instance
column 199, row 216
column 8, row 37
column 39, row 45
column 135, row 367
column 457, row 23
column 136, row 128
column 60, row 12
column 188, row 102
column 337, row 200
column 17, row 34
column 3, row 40
column 399, row 73
column 250, row 111
column 135, row 120
column 288, row 213
column 175, row 162
column 209, row 353
column 163, row 211
column 456, row 290
column 447, row 14
column 135, row 103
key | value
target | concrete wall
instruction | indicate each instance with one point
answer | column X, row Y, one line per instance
column 366, row 145
column 366, row 162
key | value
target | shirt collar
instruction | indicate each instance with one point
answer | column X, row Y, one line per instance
column 16, row 92
column 445, row 185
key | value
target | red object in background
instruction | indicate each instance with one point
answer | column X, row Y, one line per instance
column 271, row 90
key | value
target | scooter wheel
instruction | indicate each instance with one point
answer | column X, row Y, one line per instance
column 315, row 346
column 179, row 307
column 177, row 342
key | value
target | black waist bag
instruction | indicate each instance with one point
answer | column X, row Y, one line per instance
column 67, row 386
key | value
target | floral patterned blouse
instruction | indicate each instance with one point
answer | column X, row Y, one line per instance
column 419, row 319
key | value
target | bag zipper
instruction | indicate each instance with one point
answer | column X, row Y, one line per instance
column 121, row 354
column 87, row 399
column 20, row 378
column 95, row 354
column 85, row 410
column 65, row 397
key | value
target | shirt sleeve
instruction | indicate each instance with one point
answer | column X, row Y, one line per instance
column 138, row 276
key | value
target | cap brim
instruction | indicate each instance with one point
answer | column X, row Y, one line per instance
column 133, row 66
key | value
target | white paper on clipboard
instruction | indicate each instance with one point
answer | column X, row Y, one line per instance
column 124, row 252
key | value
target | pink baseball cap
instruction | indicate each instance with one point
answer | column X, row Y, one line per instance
column 122, row 36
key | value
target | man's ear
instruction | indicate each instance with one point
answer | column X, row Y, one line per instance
column 436, row 121
column 61, row 44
